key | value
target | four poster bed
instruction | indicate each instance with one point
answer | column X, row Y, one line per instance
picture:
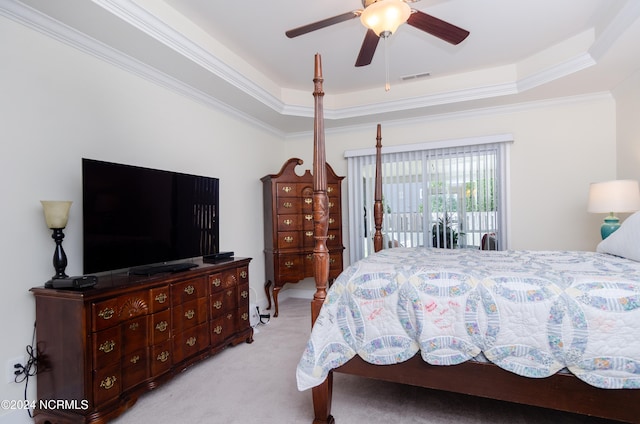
column 420, row 294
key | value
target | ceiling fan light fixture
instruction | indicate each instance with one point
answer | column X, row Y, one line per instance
column 385, row 16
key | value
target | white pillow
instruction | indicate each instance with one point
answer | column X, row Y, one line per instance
column 625, row 241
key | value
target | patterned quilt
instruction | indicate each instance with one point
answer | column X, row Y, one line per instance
column 533, row 313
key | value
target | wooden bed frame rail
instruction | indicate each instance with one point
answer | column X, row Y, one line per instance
column 561, row 391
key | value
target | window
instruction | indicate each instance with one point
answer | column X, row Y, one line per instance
column 447, row 195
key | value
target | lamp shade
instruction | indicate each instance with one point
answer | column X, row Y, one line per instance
column 614, row 196
column 385, row 16
column 56, row 212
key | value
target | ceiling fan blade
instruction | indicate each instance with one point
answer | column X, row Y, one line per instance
column 437, row 27
column 368, row 48
column 322, row 24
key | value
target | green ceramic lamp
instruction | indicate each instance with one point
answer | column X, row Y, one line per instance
column 612, row 197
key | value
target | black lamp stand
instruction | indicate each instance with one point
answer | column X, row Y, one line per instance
column 59, row 257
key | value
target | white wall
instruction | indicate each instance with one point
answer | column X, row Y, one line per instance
column 58, row 105
column 627, row 97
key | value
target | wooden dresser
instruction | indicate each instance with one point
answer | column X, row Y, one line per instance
column 288, row 227
column 101, row 348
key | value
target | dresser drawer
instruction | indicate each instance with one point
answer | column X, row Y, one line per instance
column 107, row 384
column 160, row 327
column 223, row 301
column 290, row 267
column 308, row 239
column 243, row 295
column 160, row 358
column 288, row 206
column 307, row 199
column 110, row 312
column 334, row 238
column 289, row 222
column 223, row 327
column 188, row 290
column 243, row 318
column 189, row 315
column 307, row 221
column 107, row 347
column 243, row 274
column 134, row 334
column 104, row 314
column 288, row 189
column 289, row 239
column 135, row 368
column 190, row 342
column 159, row 297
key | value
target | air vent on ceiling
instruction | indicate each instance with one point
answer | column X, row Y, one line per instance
column 415, row 76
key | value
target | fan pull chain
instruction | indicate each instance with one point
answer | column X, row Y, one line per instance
column 387, row 85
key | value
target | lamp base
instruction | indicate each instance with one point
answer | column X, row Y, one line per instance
column 611, row 223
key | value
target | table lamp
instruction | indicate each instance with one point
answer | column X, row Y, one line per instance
column 56, row 215
column 613, row 197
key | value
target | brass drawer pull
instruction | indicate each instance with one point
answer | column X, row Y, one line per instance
column 191, row 341
column 217, row 304
column 287, row 189
column 161, row 298
column 331, row 220
column 332, row 261
column 108, row 382
column 288, row 221
column 308, row 200
column 216, row 282
column 134, row 326
column 243, row 274
column 329, row 189
column 106, row 313
column 163, row 356
column 162, row 326
column 331, row 204
column 135, row 359
column 218, row 330
column 107, row 346
column 245, row 316
column 244, row 294
column 189, row 289
column 308, row 217
column 332, row 236
column 190, row 314
column 289, row 264
column 287, row 205
column 288, row 239
column 309, row 234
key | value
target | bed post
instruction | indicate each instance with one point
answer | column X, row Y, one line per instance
column 377, row 197
column 322, row 393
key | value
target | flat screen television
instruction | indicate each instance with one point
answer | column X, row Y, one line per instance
column 142, row 217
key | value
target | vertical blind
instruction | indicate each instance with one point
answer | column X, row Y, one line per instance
column 444, row 197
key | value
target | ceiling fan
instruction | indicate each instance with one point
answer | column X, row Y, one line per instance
column 382, row 18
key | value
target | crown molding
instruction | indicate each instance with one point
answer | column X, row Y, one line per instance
column 50, row 27
column 152, row 26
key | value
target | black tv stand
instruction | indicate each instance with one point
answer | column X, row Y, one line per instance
column 159, row 269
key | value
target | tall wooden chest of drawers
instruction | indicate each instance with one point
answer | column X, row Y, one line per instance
column 101, row 348
column 288, row 227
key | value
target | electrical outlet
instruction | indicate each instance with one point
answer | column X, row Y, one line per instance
column 10, row 369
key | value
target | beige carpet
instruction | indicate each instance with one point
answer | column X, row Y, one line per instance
column 255, row 383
